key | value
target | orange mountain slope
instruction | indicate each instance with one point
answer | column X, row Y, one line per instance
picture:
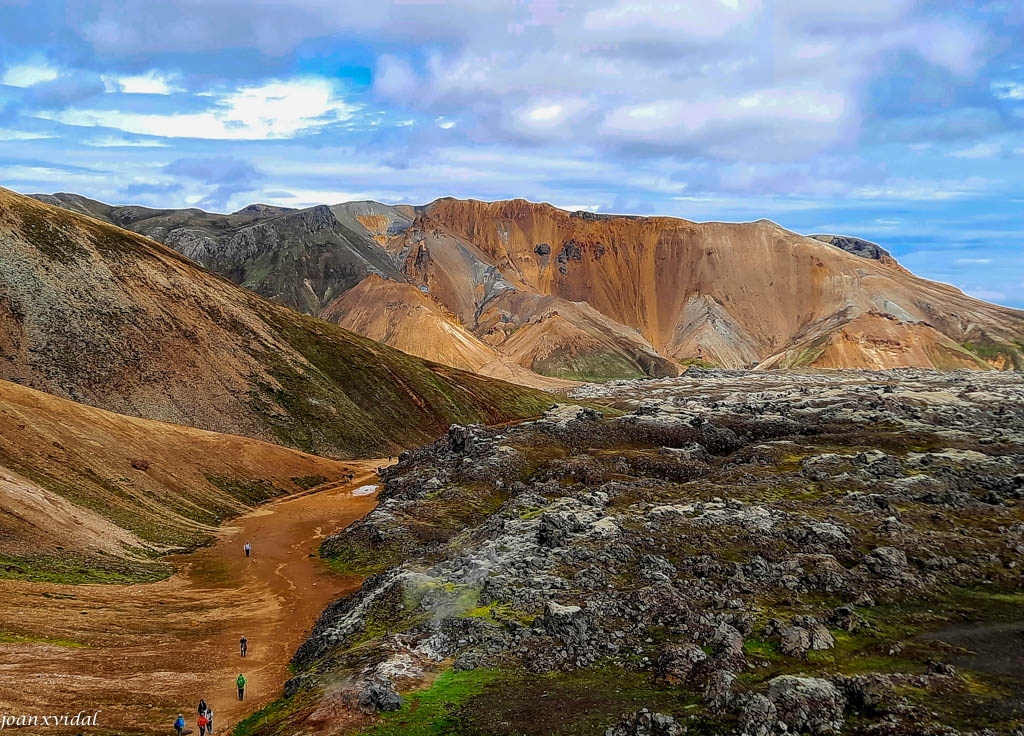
column 731, row 294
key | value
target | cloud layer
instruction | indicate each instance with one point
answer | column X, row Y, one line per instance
column 897, row 120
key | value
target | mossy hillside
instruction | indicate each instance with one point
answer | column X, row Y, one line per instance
column 436, row 523
column 175, row 521
column 76, row 569
column 372, row 399
column 307, row 482
column 512, row 702
column 275, row 719
column 164, row 520
column 594, row 366
column 998, row 353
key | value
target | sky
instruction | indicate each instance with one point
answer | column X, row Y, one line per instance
column 899, row 121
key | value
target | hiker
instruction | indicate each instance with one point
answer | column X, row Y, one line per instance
column 201, row 722
column 241, row 686
column 209, row 720
column 202, row 706
column 248, row 549
column 243, row 644
column 179, row 725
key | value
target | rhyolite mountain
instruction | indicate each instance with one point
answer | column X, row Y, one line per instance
column 520, row 290
column 108, row 318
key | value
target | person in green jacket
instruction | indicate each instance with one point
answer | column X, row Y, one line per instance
column 241, row 686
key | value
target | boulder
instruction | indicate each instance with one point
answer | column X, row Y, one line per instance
column 847, row 619
column 758, row 717
column 678, row 663
column 820, row 636
column 718, row 690
column 807, row 704
column 794, row 640
column 728, row 642
column 372, row 696
column 646, row 723
column 886, row 562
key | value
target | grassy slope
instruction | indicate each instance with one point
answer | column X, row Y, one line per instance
column 366, row 396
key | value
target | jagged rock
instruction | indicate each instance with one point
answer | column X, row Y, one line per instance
column 372, row 696
column 845, row 618
column 758, row 717
column 557, row 526
column 821, row 534
column 557, row 612
column 683, row 563
column 940, row 668
column 820, row 636
column 807, row 704
column 805, row 633
column 728, row 643
column 865, row 693
column 678, row 662
column 718, row 690
column 794, row 640
column 886, row 562
column 459, row 439
column 646, row 723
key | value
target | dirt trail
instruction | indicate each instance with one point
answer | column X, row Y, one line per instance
column 143, row 653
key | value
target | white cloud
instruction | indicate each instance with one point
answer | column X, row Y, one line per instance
column 444, row 123
column 278, row 109
column 974, row 261
column 1008, row 90
column 807, row 119
column 150, row 83
column 707, row 19
column 120, row 142
column 728, row 79
column 924, row 190
column 394, row 77
column 979, row 150
column 29, row 74
column 6, row 134
column 943, row 44
column 549, row 118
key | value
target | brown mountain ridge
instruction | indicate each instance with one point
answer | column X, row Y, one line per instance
column 518, row 289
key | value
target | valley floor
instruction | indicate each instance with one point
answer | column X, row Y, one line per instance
column 141, row 654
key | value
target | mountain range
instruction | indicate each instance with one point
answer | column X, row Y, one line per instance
column 105, row 317
column 541, row 296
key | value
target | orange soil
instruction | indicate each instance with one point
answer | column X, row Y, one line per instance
column 151, row 651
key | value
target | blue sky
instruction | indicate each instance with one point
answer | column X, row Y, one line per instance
column 895, row 120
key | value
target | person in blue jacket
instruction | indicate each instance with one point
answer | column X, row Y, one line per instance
column 179, row 725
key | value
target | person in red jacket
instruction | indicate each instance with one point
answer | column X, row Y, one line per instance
column 201, row 722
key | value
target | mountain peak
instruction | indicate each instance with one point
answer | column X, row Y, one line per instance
column 856, row 246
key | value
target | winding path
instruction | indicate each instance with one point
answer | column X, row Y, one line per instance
column 151, row 651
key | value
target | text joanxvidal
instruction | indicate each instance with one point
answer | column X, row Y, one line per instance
column 54, row 720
